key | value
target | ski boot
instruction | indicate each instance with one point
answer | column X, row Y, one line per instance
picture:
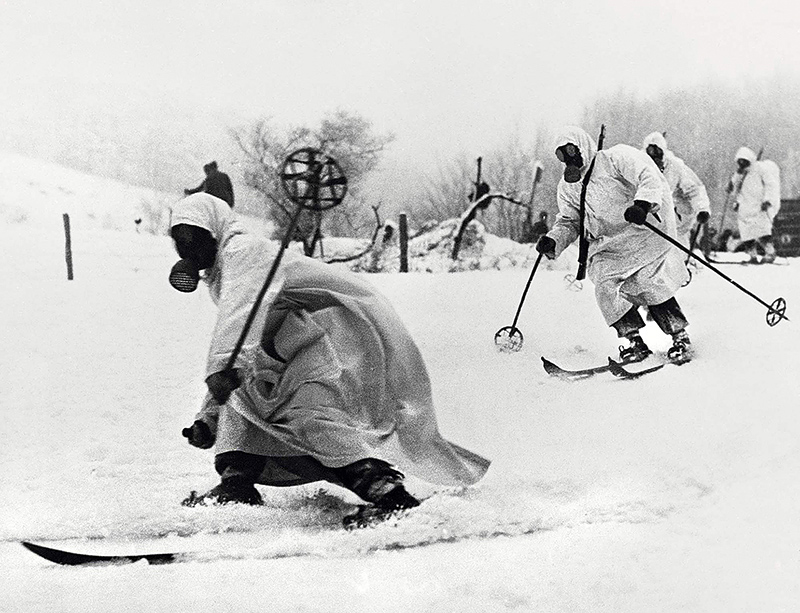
column 398, row 499
column 227, row 492
column 377, row 482
column 681, row 350
column 635, row 352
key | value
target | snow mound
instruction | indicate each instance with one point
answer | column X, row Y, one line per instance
column 431, row 252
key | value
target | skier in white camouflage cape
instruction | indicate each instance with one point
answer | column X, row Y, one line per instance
column 756, row 185
column 689, row 195
column 329, row 384
column 629, row 265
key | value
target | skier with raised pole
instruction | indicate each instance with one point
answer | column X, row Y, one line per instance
column 328, row 385
column 689, row 195
column 629, row 266
column 756, row 184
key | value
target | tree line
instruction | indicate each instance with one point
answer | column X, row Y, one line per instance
column 704, row 125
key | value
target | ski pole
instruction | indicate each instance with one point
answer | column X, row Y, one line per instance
column 509, row 338
column 583, row 242
column 775, row 311
column 263, row 292
column 731, row 196
column 695, row 233
column 311, row 182
column 693, row 238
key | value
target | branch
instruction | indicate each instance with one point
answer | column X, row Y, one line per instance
column 378, row 225
column 481, row 203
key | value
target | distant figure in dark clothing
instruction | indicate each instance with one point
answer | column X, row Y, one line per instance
column 540, row 228
column 481, row 190
column 216, row 183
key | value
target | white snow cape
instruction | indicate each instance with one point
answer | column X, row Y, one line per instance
column 345, row 380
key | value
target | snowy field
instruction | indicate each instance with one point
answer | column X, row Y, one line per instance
column 679, row 491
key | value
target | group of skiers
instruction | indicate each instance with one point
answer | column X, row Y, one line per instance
column 328, row 385
column 613, row 195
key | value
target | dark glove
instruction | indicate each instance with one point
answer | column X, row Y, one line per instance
column 637, row 212
column 765, row 205
column 199, row 435
column 546, row 246
column 702, row 217
column 221, row 384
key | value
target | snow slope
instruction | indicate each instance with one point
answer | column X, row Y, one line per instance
column 675, row 492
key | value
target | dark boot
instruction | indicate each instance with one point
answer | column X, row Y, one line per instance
column 636, row 351
column 681, row 350
column 628, row 327
column 238, row 471
column 377, row 482
column 227, row 492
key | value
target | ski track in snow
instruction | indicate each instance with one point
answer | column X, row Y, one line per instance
column 110, row 367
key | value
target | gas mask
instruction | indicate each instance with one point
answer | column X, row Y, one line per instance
column 198, row 251
column 184, row 276
column 657, row 155
column 742, row 165
column 570, row 155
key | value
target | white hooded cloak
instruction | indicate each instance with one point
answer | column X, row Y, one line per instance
column 343, row 379
column 759, row 183
column 628, row 264
column 689, row 195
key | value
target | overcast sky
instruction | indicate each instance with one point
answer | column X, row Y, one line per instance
column 443, row 75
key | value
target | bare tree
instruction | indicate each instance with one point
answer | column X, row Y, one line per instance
column 345, row 136
column 510, row 170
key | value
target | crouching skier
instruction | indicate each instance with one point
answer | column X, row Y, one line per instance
column 328, row 386
column 629, row 265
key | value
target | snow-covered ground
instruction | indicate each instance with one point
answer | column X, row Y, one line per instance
column 679, row 491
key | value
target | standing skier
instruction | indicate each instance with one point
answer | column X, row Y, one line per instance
column 216, row 183
column 688, row 192
column 629, row 265
column 756, row 184
column 329, row 384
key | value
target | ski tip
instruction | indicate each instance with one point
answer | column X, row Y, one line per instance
column 550, row 368
column 55, row 555
column 68, row 558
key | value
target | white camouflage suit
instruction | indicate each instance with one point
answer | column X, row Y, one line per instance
column 759, row 183
column 688, row 192
column 628, row 264
column 350, row 384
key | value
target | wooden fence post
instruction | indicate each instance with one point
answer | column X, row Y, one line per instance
column 68, row 246
column 403, row 243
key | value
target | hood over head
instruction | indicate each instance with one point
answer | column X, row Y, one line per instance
column 657, row 139
column 745, row 153
column 208, row 212
column 581, row 139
